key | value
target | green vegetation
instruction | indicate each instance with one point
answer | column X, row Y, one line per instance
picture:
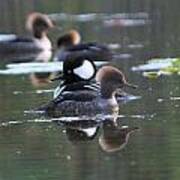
column 157, row 67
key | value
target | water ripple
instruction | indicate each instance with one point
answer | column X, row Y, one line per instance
column 97, row 16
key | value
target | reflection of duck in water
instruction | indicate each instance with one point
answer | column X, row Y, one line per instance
column 38, row 25
column 81, row 130
column 114, row 138
column 40, row 79
column 85, row 102
column 70, row 47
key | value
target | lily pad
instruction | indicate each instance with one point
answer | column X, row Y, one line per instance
column 151, row 74
column 156, row 67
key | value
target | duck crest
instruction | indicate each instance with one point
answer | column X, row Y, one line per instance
column 67, row 40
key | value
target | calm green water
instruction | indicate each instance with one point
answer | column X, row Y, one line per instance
column 35, row 151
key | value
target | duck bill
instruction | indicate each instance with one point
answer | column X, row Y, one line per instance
column 58, row 77
column 130, row 85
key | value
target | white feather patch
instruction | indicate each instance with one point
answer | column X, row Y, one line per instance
column 85, row 71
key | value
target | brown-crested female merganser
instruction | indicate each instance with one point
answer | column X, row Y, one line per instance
column 89, row 102
column 70, row 47
column 38, row 25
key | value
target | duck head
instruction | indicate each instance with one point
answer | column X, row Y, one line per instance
column 71, row 38
column 38, row 24
column 111, row 80
column 77, row 69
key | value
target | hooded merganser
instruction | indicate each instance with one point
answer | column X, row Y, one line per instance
column 38, row 25
column 70, row 47
column 88, row 102
column 77, row 75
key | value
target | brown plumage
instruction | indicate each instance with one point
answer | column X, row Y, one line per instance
column 38, row 24
column 71, row 38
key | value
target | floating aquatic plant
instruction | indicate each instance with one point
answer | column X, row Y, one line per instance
column 151, row 74
column 157, row 67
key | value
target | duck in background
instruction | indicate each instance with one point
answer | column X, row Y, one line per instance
column 90, row 102
column 70, row 46
column 38, row 25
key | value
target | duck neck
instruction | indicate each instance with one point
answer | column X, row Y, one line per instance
column 43, row 42
column 39, row 34
column 107, row 91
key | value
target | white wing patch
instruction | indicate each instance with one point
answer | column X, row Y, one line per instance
column 85, row 71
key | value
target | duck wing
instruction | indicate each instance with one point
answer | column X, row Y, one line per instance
column 12, row 38
column 88, row 46
column 70, row 104
column 18, row 44
column 93, row 51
